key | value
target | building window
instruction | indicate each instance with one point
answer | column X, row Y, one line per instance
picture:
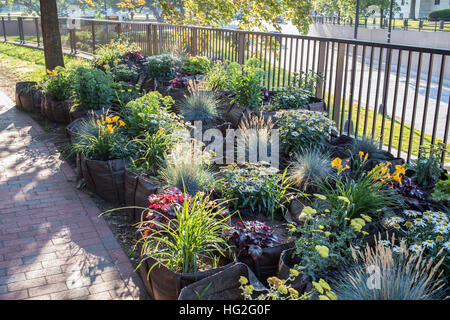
column 437, row 2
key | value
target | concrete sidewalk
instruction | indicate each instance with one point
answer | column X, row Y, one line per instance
column 53, row 244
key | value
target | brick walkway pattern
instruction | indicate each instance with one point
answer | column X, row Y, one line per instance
column 53, row 244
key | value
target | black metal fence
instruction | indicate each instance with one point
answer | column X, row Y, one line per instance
column 397, row 94
column 383, row 23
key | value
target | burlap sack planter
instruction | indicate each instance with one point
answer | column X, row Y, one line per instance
column 56, row 111
column 28, row 97
column 223, row 285
column 164, row 284
column 302, row 283
column 105, row 178
column 267, row 264
column 138, row 187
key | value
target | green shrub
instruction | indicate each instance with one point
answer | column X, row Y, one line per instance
column 91, row 88
column 257, row 187
column 125, row 92
column 201, row 106
column 195, row 66
column 125, row 73
column 112, row 53
column 426, row 168
column 439, row 15
column 149, row 113
column 160, row 67
column 302, row 129
column 290, row 98
column 442, row 190
column 220, row 75
column 56, row 84
column 246, row 87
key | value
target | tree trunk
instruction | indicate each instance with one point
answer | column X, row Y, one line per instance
column 50, row 34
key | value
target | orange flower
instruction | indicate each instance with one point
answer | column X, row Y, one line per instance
column 336, row 162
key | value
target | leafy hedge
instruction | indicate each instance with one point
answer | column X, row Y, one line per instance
column 439, row 15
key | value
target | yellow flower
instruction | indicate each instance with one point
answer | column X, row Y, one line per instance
column 110, row 128
column 336, row 162
column 282, row 288
column 324, row 284
column 331, row 295
column 115, row 119
column 243, row 280
column 294, row 272
column 322, row 297
column 248, row 290
column 293, row 292
column 121, row 123
column 323, row 251
column 48, row 71
column 121, row 47
column 98, row 122
column 317, row 286
column 361, row 154
column 54, row 72
column 108, row 120
column 274, row 282
column 365, row 217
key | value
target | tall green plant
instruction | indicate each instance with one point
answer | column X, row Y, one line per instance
column 56, row 84
column 196, row 235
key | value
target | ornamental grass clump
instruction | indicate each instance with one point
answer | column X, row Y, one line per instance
column 200, row 106
column 196, row 237
column 302, row 129
column 426, row 169
column 103, row 139
column 254, row 186
column 309, row 169
column 385, row 273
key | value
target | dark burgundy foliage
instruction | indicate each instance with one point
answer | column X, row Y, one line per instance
column 408, row 188
column 135, row 56
column 252, row 236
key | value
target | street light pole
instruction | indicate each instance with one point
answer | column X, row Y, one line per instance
column 390, row 21
column 356, row 19
column 106, row 13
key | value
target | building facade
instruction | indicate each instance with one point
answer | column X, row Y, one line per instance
column 420, row 8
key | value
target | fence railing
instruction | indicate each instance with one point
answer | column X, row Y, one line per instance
column 383, row 23
column 397, row 94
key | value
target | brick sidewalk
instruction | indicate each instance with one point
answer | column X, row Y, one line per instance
column 53, row 244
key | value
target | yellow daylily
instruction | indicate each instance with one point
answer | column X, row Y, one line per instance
column 323, row 251
column 336, row 162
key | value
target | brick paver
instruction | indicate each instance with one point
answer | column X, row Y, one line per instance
column 53, row 244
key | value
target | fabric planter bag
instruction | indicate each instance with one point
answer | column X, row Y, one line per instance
column 137, row 190
column 223, row 285
column 105, row 178
column 56, row 111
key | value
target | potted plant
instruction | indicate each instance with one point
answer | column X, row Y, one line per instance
column 92, row 89
column 28, row 96
column 56, row 102
column 184, row 249
column 257, row 245
column 159, row 69
column 104, row 152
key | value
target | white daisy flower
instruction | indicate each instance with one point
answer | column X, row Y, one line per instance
column 441, row 229
column 385, row 243
column 429, row 243
column 397, row 219
column 411, row 213
column 419, row 222
column 447, row 245
column 415, row 248
column 397, row 249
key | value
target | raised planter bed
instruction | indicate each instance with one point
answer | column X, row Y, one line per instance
column 28, row 96
column 56, row 111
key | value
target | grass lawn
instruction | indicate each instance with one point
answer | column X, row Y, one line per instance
column 29, row 64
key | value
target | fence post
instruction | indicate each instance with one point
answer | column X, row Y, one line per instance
column 441, row 24
column 155, row 39
column 119, row 30
column 20, row 24
column 148, row 29
column 338, row 83
column 321, row 67
column 4, row 28
column 93, row 36
column 194, row 42
column 36, row 24
column 241, row 48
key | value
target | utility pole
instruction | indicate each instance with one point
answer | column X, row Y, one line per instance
column 356, row 19
column 390, row 21
column 106, row 13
